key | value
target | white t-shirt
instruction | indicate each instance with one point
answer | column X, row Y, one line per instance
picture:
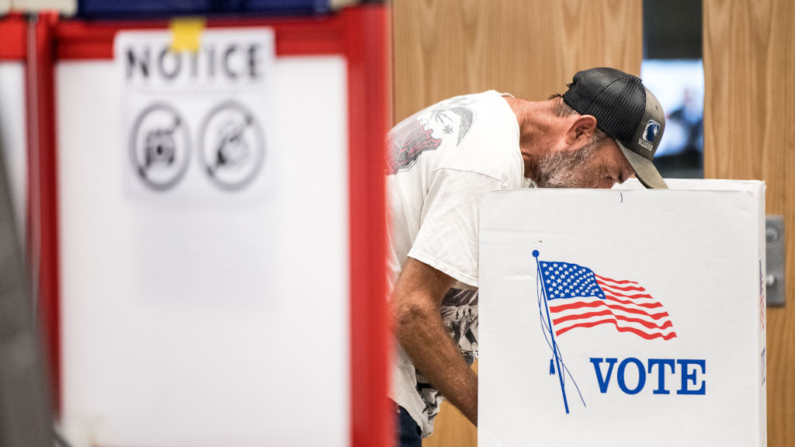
column 443, row 161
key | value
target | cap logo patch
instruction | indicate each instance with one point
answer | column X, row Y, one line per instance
column 651, row 131
column 649, row 135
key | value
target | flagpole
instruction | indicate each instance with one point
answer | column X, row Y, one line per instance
column 551, row 330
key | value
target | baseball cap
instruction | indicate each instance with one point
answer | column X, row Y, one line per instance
column 626, row 111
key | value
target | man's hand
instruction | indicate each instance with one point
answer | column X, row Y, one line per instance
column 416, row 299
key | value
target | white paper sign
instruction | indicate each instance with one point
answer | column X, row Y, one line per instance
column 623, row 317
column 196, row 124
column 206, row 324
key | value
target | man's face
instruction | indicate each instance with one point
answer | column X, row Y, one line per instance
column 599, row 165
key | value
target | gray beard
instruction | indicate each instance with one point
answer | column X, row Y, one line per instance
column 565, row 169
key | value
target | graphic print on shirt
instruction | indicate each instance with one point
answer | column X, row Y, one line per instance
column 459, row 312
column 427, row 130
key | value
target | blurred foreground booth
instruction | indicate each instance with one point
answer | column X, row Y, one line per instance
column 624, row 317
column 207, row 196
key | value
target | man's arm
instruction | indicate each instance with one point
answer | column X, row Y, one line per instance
column 415, row 302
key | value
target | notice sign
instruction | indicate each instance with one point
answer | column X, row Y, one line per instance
column 199, row 220
column 195, row 122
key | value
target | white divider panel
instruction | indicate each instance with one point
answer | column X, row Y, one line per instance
column 206, row 323
column 623, row 317
column 12, row 135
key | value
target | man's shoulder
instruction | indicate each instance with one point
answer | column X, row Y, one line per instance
column 496, row 156
column 476, row 133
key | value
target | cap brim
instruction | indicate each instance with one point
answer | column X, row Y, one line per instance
column 644, row 169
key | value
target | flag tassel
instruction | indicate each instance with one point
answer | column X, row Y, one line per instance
column 552, row 334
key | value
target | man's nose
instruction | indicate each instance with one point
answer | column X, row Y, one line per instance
column 606, row 183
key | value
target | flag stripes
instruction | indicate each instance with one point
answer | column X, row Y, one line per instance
column 579, row 298
column 624, row 328
column 585, row 302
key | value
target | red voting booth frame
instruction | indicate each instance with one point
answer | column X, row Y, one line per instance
column 361, row 35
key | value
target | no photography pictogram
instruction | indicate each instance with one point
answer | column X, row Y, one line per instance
column 231, row 146
column 160, row 147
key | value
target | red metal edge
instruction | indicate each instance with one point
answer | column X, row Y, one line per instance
column 43, row 193
column 369, row 98
column 94, row 40
column 12, row 38
column 362, row 34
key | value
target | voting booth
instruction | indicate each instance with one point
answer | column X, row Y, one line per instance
column 623, row 317
column 208, row 199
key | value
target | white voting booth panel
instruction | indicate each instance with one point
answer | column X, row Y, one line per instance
column 12, row 136
column 623, row 317
column 202, row 315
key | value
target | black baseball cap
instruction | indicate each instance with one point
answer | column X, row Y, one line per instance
column 626, row 111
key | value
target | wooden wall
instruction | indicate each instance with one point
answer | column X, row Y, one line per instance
column 749, row 67
column 530, row 48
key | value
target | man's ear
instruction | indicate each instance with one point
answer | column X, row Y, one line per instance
column 581, row 130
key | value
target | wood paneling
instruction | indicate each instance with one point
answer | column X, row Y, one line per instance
column 530, row 48
column 749, row 109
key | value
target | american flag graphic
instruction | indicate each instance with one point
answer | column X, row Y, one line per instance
column 579, row 298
